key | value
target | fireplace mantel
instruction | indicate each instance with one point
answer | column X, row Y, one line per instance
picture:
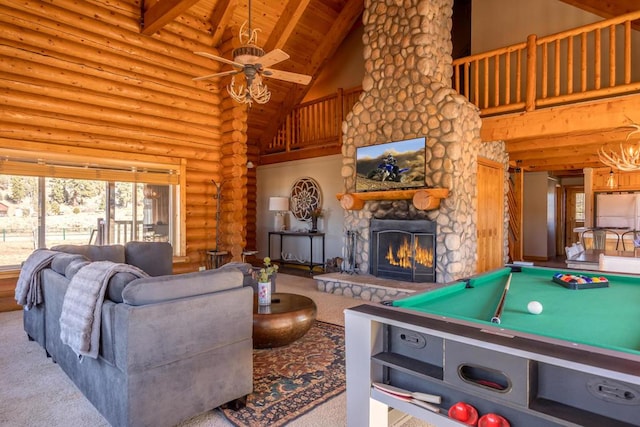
column 423, row 199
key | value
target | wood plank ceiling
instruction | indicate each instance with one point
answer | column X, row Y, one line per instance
column 310, row 32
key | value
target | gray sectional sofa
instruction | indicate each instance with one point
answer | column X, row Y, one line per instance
column 171, row 346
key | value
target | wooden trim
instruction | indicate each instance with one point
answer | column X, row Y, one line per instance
column 427, row 198
column 36, row 159
column 9, row 274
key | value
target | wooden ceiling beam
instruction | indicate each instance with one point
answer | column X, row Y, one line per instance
column 562, row 163
column 572, row 140
column 286, row 24
column 220, row 19
column 595, row 116
column 161, row 13
column 339, row 30
column 605, row 9
column 559, row 152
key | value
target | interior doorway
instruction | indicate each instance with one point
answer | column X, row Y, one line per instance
column 490, row 223
column 574, row 215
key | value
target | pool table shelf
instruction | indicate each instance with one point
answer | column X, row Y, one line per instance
column 408, row 365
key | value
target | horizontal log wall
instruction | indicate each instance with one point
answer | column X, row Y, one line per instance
column 81, row 75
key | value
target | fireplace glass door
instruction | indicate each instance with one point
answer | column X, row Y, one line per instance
column 407, row 255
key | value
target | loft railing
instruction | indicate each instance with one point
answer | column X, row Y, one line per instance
column 590, row 62
column 315, row 123
column 585, row 63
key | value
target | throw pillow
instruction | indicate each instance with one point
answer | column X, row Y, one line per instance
column 248, row 272
column 117, row 284
column 113, row 253
column 74, row 267
column 61, row 261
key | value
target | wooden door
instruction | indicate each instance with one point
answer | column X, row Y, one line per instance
column 574, row 215
column 491, row 202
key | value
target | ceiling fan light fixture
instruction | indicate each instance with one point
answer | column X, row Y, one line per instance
column 252, row 62
column 254, row 91
column 248, row 54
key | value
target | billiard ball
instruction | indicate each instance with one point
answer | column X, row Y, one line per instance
column 534, row 307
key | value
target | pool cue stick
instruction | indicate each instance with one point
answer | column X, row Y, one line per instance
column 500, row 307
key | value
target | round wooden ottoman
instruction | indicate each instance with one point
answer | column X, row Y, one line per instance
column 287, row 318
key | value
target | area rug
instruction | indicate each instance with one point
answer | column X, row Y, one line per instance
column 291, row 380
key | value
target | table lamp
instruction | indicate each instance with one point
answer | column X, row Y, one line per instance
column 280, row 205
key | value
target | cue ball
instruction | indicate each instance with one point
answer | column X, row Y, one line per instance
column 534, row 307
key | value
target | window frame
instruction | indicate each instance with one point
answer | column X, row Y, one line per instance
column 56, row 161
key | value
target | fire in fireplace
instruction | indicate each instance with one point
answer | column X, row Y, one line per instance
column 403, row 249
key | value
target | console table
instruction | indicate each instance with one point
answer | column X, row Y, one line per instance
column 298, row 234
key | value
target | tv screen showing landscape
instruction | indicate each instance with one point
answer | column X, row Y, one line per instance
column 391, row 166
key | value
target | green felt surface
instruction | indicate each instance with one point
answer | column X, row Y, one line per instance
column 602, row 317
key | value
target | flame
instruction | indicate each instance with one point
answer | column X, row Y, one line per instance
column 404, row 254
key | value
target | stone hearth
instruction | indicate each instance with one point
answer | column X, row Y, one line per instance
column 367, row 287
column 407, row 94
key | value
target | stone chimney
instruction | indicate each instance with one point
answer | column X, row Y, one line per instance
column 408, row 94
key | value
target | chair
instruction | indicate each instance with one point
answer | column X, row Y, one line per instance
column 619, row 264
column 571, row 252
column 634, row 234
column 574, row 250
column 247, row 253
column 598, row 238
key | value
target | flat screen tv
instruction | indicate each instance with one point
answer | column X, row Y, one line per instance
column 391, row 166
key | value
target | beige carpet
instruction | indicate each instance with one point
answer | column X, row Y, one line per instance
column 35, row 392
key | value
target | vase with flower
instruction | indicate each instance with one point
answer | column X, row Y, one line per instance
column 315, row 214
column 265, row 276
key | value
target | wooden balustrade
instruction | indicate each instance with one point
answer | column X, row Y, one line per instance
column 314, row 123
column 589, row 62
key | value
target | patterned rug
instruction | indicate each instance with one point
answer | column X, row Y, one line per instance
column 291, row 380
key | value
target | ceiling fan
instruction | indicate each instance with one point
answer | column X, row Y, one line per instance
column 253, row 62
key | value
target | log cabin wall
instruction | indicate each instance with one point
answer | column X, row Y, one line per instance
column 78, row 75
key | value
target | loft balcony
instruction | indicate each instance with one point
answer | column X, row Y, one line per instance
column 554, row 100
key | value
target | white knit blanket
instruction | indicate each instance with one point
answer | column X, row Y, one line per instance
column 82, row 306
column 28, row 288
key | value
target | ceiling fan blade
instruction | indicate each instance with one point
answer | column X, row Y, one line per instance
column 213, row 76
column 302, row 79
column 219, row 58
column 273, row 57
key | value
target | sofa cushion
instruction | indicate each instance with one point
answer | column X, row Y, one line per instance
column 151, row 290
column 154, row 258
column 113, row 253
column 62, row 260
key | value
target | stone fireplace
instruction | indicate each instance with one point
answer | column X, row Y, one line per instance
column 407, row 93
column 403, row 250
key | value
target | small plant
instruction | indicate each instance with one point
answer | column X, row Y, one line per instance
column 265, row 272
column 317, row 213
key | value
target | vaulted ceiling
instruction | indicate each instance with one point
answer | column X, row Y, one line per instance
column 310, row 31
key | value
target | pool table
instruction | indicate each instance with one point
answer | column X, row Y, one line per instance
column 577, row 363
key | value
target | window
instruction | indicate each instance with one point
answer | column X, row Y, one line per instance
column 47, row 203
column 579, row 207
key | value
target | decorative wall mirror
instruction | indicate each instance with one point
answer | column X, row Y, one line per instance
column 305, row 198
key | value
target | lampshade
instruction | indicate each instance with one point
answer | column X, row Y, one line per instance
column 278, row 204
